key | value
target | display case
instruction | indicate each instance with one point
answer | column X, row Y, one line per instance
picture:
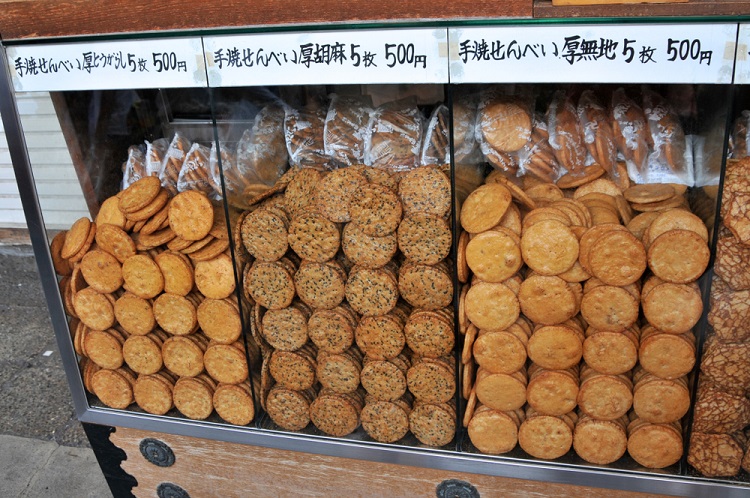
column 419, row 244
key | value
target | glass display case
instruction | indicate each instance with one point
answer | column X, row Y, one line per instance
column 490, row 249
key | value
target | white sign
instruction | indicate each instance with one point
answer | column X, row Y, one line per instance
column 329, row 57
column 157, row 63
column 742, row 67
column 650, row 53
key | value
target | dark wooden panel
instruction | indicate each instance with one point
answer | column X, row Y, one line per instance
column 20, row 19
column 692, row 8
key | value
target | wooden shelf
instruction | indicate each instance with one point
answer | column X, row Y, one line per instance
column 543, row 9
column 28, row 19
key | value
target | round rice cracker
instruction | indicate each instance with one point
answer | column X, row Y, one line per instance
column 134, row 314
column 193, row 396
column 191, row 215
column 153, row 394
column 609, row 308
column 270, row 284
column 678, row 256
column 547, row 300
column 139, row 194
column 321, row 285
column 110, row 214
column 641, row 222
column 673, row 308
column 265, row 234
column 143, row 354
column 484, row 208
column 234, row 403
column 385, row 421
column 335, row 191
column 142, row 276
column 610, row 353
column 491, row 306
column 601, row 185
column 376, row 210
column 617, row 258
column 104, row 348
column 113, row 387
column 552, row 392
column 600, row 442
column 94, row 309
column 152, row 208
column 493, row 432
column 426, row 190
column 175, row 314
column 424, row 238
column 549, row 247
column 649, row 192
column 314, row 238
column 588, row 238
column 75, row 238
column 215, row 277
column 220, row 320
column 226, row 363
column 102, row 271
column 61, row 265
column 661, row 401
column 571, row 180
column 425, row 286
column 300, row 192
column 605, row 397
column 555, row 347
column 676, row 219
column 365, row 250
column 433, row 424
column 288, row 409
column 179, row 276
column 334, row 414
column 494, row 256
column 545, row 436
column 655, row 446
column 499, row 352
column 668, row 356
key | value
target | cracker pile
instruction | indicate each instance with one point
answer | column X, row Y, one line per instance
column 552, row 316
column 149, row 287
column 718, row 445
column 353, row 294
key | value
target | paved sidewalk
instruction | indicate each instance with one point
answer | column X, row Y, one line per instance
column 43, row 449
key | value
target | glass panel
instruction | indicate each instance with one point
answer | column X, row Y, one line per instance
column 146, row 273
column 610, row 186
column 345, row 239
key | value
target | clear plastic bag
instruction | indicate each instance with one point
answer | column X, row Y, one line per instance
column 537, row 157
column 466, row 147
column 134, row 167
column 436, row 143
column 197, row 173
column 233, row 181
column 303, row 131
column 503, row 128
column 667, row 135
column 394, row 136
column 169, row 172
column 630, row 131
column 155, row 153
column 566, row 134
column 597, row 131
column 741, row 135
column 346, row 128
column 262, row 155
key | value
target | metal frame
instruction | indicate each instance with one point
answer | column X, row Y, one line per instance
column 637, row 481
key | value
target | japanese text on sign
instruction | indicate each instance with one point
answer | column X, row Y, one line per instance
column 90, row 62
column 108, row 65
column 326, row 54
column 363, row 56
column 632, row 53
column 576, row 49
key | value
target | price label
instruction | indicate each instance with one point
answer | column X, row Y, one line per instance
column 160, row 63
column 653, row 53
column 329, row 57
column 742, row 67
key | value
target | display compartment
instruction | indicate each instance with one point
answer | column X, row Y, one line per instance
column 233, row 109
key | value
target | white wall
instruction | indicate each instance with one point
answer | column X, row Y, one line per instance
column 57, row 185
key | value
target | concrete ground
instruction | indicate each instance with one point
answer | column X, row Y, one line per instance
column 43, row 449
